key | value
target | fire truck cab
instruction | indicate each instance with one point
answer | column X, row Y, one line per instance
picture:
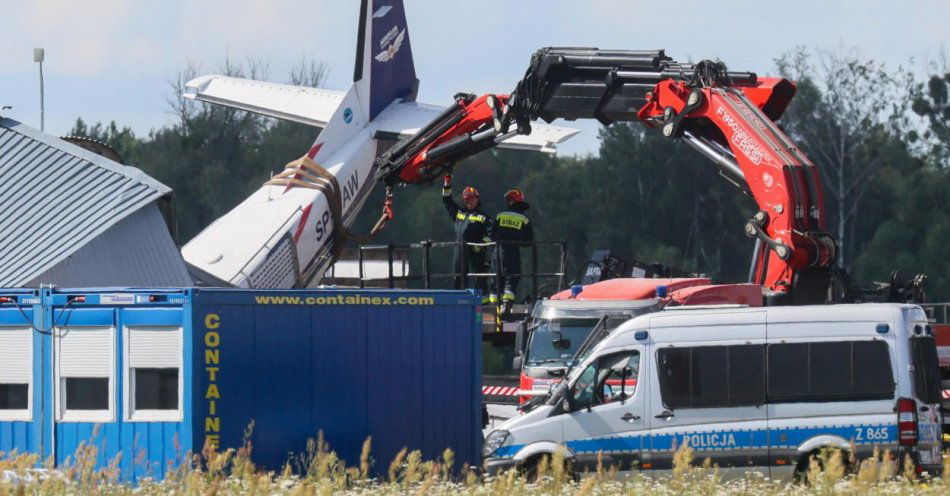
column 548, row 340
column 550, row 337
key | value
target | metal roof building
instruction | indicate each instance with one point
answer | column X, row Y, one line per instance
column 71, row 217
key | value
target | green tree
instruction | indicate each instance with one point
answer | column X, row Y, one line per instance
column 847, row 111
column 932, row 102
column 122, row 140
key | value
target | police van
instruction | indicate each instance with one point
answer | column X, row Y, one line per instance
column 752, row 389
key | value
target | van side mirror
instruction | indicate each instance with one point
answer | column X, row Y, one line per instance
column 560, row 342
column 517, row 362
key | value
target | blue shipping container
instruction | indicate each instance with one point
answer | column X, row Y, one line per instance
column 155, row 374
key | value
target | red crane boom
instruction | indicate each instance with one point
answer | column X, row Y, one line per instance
column 726, row 116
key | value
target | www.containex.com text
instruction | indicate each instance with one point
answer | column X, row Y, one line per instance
column 344, row 300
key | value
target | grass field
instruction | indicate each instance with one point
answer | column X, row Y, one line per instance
column 320, row 472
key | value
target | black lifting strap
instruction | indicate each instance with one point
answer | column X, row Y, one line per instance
column 306, row 173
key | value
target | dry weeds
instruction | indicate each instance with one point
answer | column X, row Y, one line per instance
column 321, row 472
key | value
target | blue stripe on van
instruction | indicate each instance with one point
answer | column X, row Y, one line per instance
column 861, row 434
column 620, row 444
column 725, row 440
column 712, row 440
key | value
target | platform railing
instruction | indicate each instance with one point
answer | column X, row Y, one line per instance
column 460, row 278
column 938, row 313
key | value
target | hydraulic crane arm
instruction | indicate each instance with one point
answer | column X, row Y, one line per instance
column 468, row 127
column 724, row 124
column 726, row 116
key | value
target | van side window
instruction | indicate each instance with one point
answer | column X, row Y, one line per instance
column 712, row 376
column 746, row 375
column 872, row 368
column 829, row 371
column 582, row 392
column 608, row 379
column 675, row 376
column 708, row 375
column 787, row 364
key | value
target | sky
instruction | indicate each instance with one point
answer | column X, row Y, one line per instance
column 113, row 59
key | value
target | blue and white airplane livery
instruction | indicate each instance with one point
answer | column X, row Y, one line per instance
column 282, row 235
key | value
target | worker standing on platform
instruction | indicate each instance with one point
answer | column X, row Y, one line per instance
column 511, row 231
column 472, row 225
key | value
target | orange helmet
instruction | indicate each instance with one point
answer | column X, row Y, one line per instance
column 469, row 193
column 514, row 196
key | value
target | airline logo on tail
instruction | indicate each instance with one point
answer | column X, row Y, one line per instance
column 389, row 52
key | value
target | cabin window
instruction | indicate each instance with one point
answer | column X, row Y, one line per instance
column 85, row 366
column 153, row 387
column 87, row 393
column 16, row 373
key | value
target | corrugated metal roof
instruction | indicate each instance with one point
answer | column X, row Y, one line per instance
column 56, row 197
column 137, row 251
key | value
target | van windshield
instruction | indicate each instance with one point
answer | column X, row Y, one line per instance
column 541, row 349
column 923, row 352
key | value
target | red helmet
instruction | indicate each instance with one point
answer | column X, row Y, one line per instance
column 469, row 193
column 514, row 196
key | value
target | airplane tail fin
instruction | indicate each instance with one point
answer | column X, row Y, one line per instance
column 384, row 67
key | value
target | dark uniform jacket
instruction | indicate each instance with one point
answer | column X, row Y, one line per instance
column 513, row 225
column 472, row 226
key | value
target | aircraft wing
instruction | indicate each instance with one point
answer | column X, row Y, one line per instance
column 314, row 107
column 406, row 118
column 311, row 106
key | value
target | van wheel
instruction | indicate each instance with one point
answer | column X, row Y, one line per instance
column 818, row 457
column 530, row 468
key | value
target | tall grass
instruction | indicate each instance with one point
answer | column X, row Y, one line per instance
column 320, row 471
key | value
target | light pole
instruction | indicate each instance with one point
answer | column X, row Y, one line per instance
column 38, row 55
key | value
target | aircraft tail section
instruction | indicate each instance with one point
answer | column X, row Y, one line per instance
column 287, row 233
column 384, row 68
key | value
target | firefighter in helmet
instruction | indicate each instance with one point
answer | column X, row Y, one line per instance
column 472, row 225
column 511, row 230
